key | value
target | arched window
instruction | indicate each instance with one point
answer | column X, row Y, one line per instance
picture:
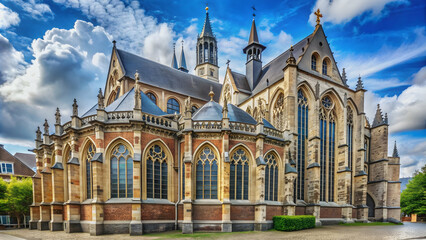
column 156, row 173
column 239, row 177
column 112, row 97
column 152, row 97
column 200, row 54
column 194, row 109
column 327, row 148
column 206, row 174
column 121, row 172
column 90, row 152
column 314, row 62
column 350, row 129
column 302, row 127
column 206, row 52
column 173, row 106
column 271, row 177
column 211, row 53
column 278, row 113
column 324, row 67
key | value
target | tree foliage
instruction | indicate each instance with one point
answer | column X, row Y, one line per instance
column 17, row 198
column 413, row 198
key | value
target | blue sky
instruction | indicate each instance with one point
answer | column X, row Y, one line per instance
column 52, row 51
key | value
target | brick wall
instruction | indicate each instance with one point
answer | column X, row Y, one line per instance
column 273, row 211
column 242, row 212
column 300, row 210
column 86, row 212
column 118, row 212
column 207, row 212
column 158, row 212
column 354, row 213
column 330, row 212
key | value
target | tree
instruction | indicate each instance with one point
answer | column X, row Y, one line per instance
column 18, row 198
column 3, row 188
column 413, row 198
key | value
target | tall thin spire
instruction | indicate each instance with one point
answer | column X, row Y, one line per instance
column 174, row 61
column 253, row 33
column 207, row 28
column 182, row 61
column 378, row 119
column 359, row 85
column 344, row 78
column 395, row 151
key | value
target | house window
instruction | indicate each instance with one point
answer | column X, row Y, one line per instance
column 121, row 172
column 239, row 178
column 156, row 173
column 7, row 168
column 152, row 97
column 206, row 174
column 173, row 106
column 302, row 127
column 90, row 152
column 271, row 177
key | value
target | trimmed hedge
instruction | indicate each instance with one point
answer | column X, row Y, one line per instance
column 293, row 223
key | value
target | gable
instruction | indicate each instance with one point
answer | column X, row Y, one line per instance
column 115, row 72
column 319, row 47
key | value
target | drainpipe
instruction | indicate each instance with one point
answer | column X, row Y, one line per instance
column 178, row 200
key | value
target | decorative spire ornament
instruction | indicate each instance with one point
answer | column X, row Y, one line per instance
column 395, row 151
column 211, row 93
column 58, row 117
column 75, row 108
column 38, row 134
column 344, row 78
column 137, row 92
column 359, row 85
column 46, row 127
column 100, row 99
column 319, row 15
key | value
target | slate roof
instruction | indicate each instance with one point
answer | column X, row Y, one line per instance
column 126, row 103
column 27, row 158
column 159, row 75
column 241, row 82
column 207, row 28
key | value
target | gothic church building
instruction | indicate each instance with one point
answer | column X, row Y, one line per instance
column 163, row 149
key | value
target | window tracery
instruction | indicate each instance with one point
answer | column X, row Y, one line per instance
column 278, row 112
column 121, row 172
column 239, row 175
column 302, row 127
column 271, row 177
column 90, row 152
column 206, row 174
column 156, row 173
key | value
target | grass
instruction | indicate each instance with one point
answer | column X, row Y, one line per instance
column 199, row 235
column 370, row 224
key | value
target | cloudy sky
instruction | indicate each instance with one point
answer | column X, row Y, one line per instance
column 55, row 50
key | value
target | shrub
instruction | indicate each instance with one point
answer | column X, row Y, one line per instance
column 293, row 223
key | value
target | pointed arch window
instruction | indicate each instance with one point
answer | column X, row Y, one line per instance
column 302, row 129
column 324, row 67
column 327, row 149
column 239, row 177
column 206, row 174
column 90, row 152
column 350, row 129
column 278, row 112
column 173, row 106
column 152, row 97
column 156, row 173
column 121, row 172
column 314, row 62
column 271, row 177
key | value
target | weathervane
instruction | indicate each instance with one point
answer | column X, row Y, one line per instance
column 227, row 62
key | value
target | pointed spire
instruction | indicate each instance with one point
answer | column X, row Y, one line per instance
column 253, row 33
column 291, row 60
column 207, row 29
column 113, row 43
column 386, row 118
column 182, row 61
column 378, row 119
column 359, row 85
column 344, row 78
column 174, row 61
column 395, row 151
column 58, row 117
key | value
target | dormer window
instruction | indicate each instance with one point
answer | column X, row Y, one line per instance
column 314, row 62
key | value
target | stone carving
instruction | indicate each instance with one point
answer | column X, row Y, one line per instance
column 58, row 117
column 75, row 108
column 100, row 99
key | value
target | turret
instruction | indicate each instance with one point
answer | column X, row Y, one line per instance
column 182, row 61
column 253, row 50
column 207, row 52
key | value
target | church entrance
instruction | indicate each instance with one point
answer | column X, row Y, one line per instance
column 371, row 206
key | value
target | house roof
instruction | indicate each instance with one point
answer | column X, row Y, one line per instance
column 19, row 167
column 159, row 75
column 27, row 158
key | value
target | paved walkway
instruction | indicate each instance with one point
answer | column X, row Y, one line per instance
column 406, row 231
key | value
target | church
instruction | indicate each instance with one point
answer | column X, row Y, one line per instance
column 163, row 149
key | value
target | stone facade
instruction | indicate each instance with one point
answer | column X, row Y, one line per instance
column 223, row 168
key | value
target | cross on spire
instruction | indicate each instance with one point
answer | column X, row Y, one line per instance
column 319, row 15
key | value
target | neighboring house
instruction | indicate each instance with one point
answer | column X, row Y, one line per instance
column 21, row 166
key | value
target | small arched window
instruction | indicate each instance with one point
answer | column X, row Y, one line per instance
column 206, row 174
column 324, row 67
column 239, row 177
column 121, row 172
column 314, row 62
column 152, row 97
column 271, row 177
column 90, row 152
column 156, row 173
column 173, row 106
column 194, row 109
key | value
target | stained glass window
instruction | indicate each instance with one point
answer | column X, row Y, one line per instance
column 121, row 172
column 302, row 128
column 156, row 175
column 239, row 176
column 173, row 106
column 271, row 177
column 206, row 174
column 90, row 152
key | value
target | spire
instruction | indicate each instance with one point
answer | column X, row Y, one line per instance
column 378, row 119
column 291, row 60
column 174, row 62
column 344, row 78
column 359, row 85
column 182, row 61
column 395, row 151
column 253, row 33
column 207, row 29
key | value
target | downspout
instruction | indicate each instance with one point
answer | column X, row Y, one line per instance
column 178, row 200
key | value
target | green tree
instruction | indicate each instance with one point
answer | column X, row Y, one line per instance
column 3, row 188
column 18, row 198
column 413, row 198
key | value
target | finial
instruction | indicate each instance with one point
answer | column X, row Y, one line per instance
column 207, row 7
column 386, row 118
column 137, row 76
column 344, row 78
column 319, row 15
column 38, row 133
column 58, row 117
column 225, row 108
column 46, row 127
column 395, row 151
column 211, row 93
column 174, row 46
column 254, row 9
column 227, row 62
column 75, row 108
column 182, row 43
column 359, row 85
column 291, row 60
column 100, row 99
column 114, row 42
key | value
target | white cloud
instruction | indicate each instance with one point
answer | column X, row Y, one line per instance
column 12, row 61
column 64, row 61
column 157, row 45
column 36, row 10
column 8, row 17
column 342, row 11
column 412, row 152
